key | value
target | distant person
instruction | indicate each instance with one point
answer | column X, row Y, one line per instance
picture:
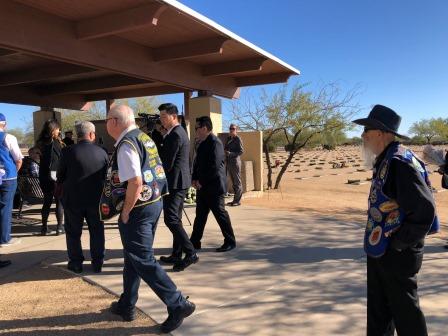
column 209, row 179
column 401, row 213
column 234, row 149
column 50, row 146
column 134, row 186
column 175, row 157
column 68, row 140
column 10, row 162
column 81, row 171
column 31, row 163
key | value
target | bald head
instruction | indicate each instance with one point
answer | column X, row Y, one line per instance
column 123, row 114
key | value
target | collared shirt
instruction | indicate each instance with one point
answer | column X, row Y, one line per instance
column 129, row 165
column 169, row 131
column 13, row 146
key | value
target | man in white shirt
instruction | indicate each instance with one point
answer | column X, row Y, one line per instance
column 10, row 162
column 134, row 186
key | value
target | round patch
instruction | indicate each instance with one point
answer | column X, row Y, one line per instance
column 375, row 236
column 105, row 210
column 393, row 217
column 388, row 206
column 147, row 176
column 160, row 173
column 115, row 179
column 376, row 214
column 119, row 206
column 107, row 190
column 119, row 192
column 146, row 193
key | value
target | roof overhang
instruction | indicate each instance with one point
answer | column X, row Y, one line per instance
column 66, row 53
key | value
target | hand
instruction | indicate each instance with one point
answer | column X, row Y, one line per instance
column 124, row 217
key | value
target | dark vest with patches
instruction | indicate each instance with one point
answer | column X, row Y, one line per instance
column 385, row 215
column 153, row 176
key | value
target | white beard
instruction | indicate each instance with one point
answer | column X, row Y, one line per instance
column 368, row 156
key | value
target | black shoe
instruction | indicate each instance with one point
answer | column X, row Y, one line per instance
column 4, row 263
column 197, row 246
column 97, row 267
column 176, row 317
column 75, row 268
column 126, row 314
column 187, row 261
column 60, row 230
column 225, row 248
column 45, row 231
column 170, row 259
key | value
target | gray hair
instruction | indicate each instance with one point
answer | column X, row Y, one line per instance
column 83, row 128
column 123, row 113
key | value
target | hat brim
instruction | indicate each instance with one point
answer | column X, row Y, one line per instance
column 375, row 124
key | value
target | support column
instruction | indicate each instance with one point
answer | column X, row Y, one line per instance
column 205, row 106
column 41, row 116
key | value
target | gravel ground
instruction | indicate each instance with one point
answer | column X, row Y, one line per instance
column 49, row 301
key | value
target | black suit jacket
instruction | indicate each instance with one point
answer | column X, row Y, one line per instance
column 209, row 167
column 82, row 169
column 175, row 155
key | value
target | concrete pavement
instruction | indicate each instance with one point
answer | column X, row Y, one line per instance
column 292, row 274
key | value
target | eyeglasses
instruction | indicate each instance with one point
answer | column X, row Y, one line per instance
column 107, row 119
column 232, row 128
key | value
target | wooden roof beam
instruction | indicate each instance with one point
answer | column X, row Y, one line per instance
column 189, row 50
column 113, row 81
column 262, row 79
column 7, row 52
column 41, row 73
column 119, row 22
column 238, row 66
column 143, row 92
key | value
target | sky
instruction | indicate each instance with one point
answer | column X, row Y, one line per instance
column 395, row 50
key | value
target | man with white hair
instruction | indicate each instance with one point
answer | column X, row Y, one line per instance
column 10, row 162
column 135, row 184
column 81, row 172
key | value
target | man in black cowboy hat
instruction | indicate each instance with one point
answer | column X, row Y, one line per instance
column 401, row 213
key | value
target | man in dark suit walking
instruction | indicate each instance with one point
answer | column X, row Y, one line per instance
column 81, row 171
column 175, row 156
column 209, row 179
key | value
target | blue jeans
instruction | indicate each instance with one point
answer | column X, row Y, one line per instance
column 7, row 191
column 137, row 237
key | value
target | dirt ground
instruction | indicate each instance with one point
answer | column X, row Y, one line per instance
column 311, row 185
column 47, row 301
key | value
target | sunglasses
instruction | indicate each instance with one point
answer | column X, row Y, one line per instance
column 232, row 128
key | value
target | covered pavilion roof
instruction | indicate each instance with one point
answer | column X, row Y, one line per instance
column 65, row 53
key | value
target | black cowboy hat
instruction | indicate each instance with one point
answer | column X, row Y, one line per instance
column 384, row 119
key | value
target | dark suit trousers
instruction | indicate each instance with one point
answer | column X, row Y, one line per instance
column 74, row 220
column 173, row 203
column 234, row 170
column 205, row 202
column 392, row 298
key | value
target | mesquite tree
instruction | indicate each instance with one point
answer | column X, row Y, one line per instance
column 298, row 114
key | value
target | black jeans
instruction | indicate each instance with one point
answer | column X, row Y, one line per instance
column 48, row 200
column 392, row 298
column 74, row 220
column 173, row 204
column 205, row 202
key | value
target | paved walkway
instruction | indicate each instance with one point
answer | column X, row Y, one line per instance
column 291, row 274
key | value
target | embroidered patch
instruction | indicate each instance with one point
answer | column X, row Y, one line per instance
column 369, row 225
column 155, row 186
column 375, row 236
column 105, row 210
column 147, row 176
column 109, row 173
column 115, row 179
column 376, row 214
column 160, row 173
column 107, row 190
column 388, row 206
column 393, row 217
column 146, row 193
column 119, row 192
column 383, row 171
column 373, row 196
